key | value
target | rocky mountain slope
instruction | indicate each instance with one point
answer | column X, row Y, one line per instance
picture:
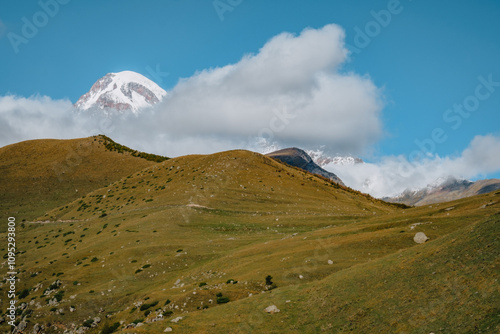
column 299, row 158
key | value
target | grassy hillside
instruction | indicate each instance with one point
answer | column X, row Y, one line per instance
column 229, row 182
column 38, row 175
column 196, row 236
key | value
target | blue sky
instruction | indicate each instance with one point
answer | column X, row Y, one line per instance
column 427, row 57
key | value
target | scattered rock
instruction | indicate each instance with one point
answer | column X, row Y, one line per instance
column 168, row 329
column 37, row 329
column 176, row 320
column 272, row 309
column 420, row 238
column 330, row 262
column 301, row 277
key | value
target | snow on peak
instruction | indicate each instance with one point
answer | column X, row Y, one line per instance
column 122, row 91
column 322, row 160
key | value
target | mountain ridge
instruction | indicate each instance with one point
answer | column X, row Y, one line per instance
column 299, row 158
column 445, row 190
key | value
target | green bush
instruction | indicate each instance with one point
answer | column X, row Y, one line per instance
column 202, row 284
column 59, row 295
column 88, row 323
column 146, row 306
column 107, row 329
column 222, row 300
column 24, row 293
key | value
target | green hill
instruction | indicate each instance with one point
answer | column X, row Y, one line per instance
column 38, row 175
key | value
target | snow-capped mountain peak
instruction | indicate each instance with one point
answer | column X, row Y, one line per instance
column 323, row 160
column 122, row 91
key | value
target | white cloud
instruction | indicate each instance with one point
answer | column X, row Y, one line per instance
column 291, row 92
column 394, row 174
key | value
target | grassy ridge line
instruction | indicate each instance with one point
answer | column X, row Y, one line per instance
column 113, row 146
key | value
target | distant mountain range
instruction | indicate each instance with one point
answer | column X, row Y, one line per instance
column 299, row 158
column 444, row 191
column 121, row 92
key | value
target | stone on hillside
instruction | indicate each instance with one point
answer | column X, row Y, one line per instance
column 168, row 329
column 330, row 262
column 272, row 309
column 176, row 319
column 420, row 238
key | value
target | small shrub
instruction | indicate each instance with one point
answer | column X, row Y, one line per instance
column 146, row 306
column 167, row 302
column 107, row 329
column 75, row 282
column 88, row 323
column 94, row 259
column 222, row 300
column 202, row 284
column 136, row 321
column 59, row 295
column 24, row 293
column 219, row 294
column 148, row 312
